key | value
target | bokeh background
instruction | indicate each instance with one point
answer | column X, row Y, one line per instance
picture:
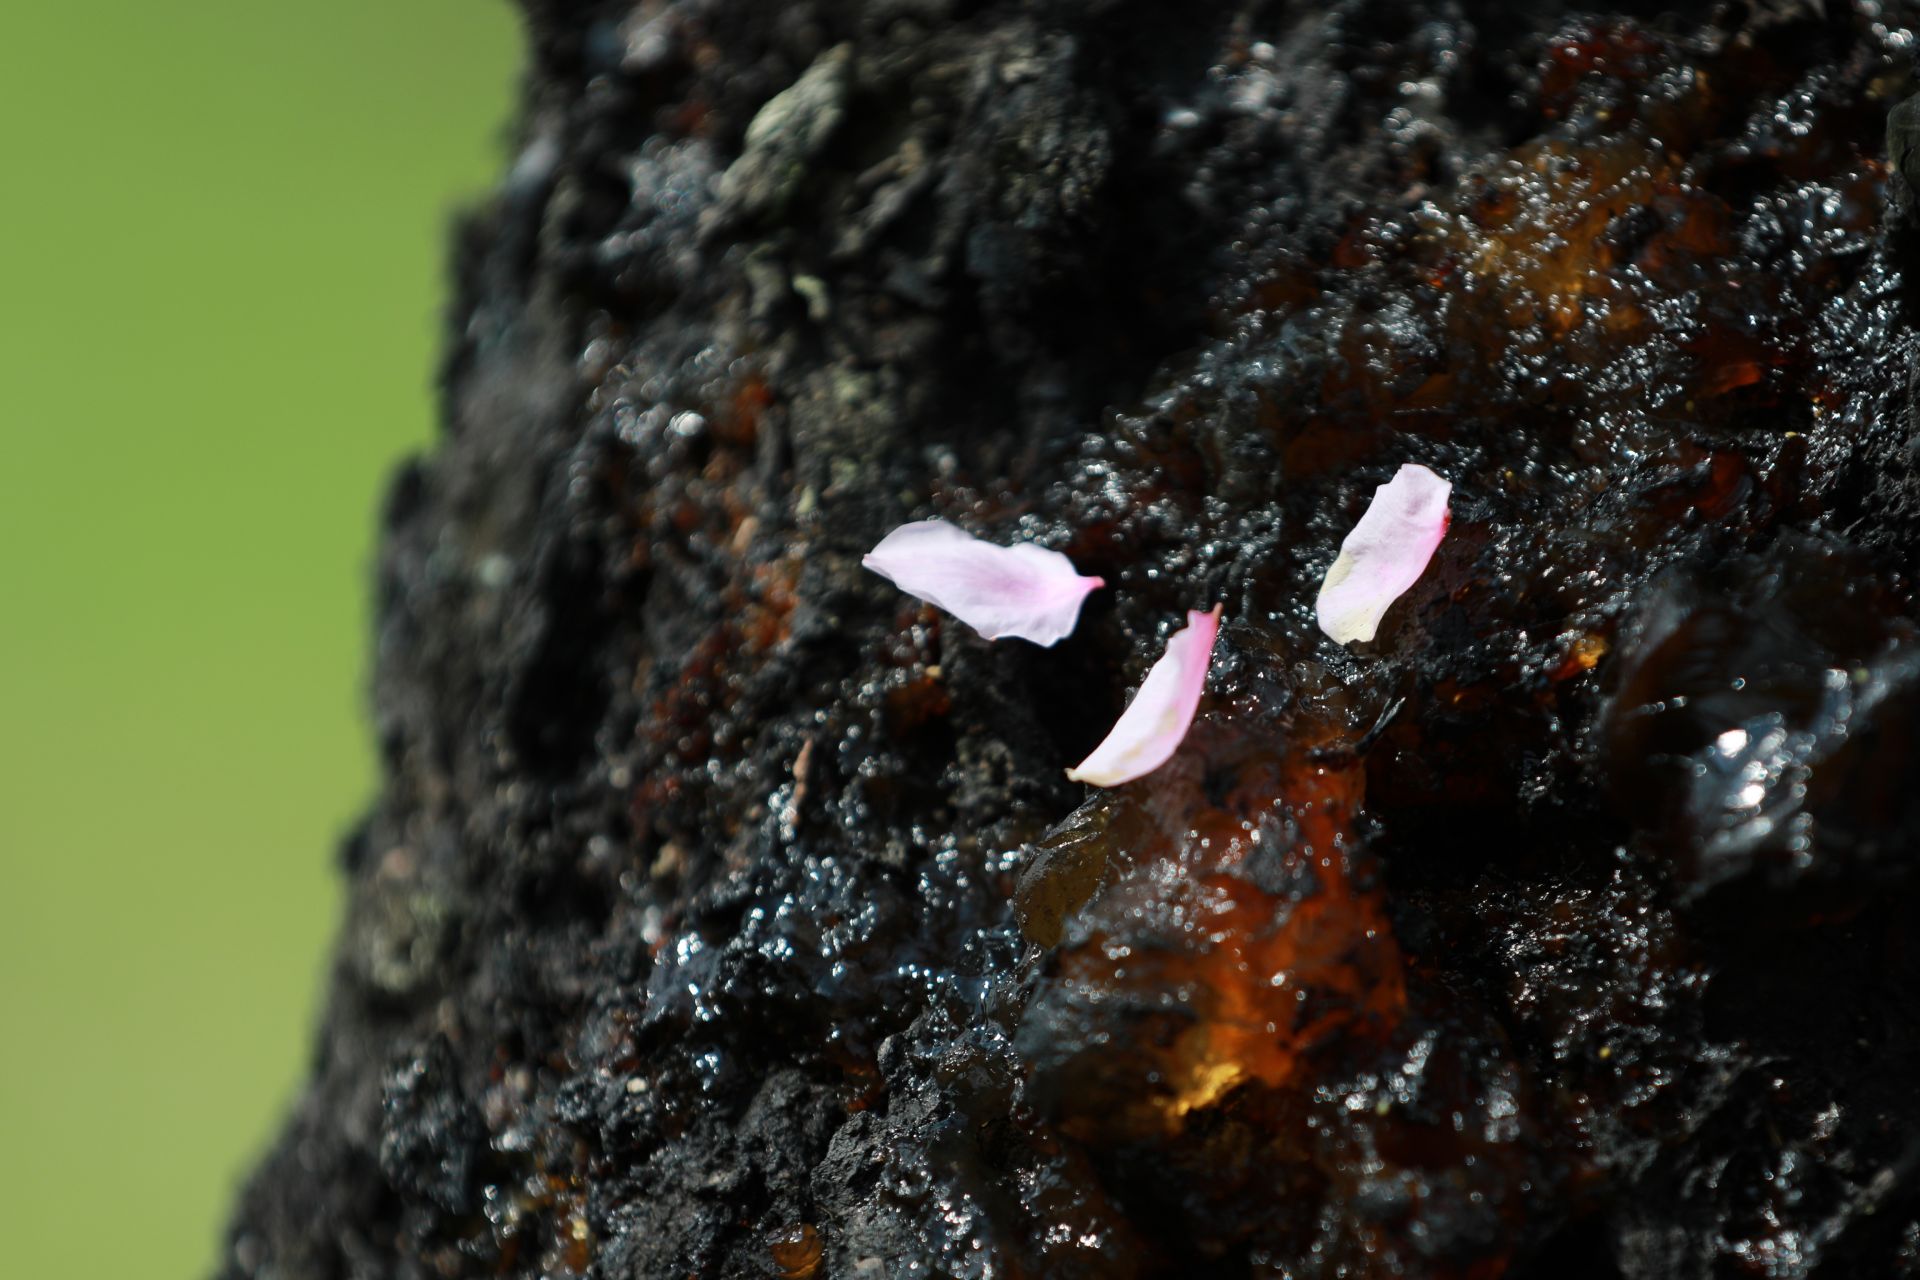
column 222, row 236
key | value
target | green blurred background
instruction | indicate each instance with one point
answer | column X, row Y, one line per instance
column 222, row 229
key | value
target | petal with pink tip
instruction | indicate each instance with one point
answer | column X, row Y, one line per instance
column 1023, row 590
column 1384, row 554
column 1156, row 720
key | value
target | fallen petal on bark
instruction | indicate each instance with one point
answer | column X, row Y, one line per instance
column 1385, row 554
column 1151, row 727
column 1023, row 590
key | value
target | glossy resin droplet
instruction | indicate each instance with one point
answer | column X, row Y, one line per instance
column 1385, row 554
column 1151, row 727
column 1023, row 590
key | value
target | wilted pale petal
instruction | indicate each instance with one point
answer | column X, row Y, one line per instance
column 1385, row 554
column 1022, row 590
column 1156, row 720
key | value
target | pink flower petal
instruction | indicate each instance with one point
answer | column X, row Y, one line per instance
column 1023, row 590
column 1384, row 554
column 1156, row 720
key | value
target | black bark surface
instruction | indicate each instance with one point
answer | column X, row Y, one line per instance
column 727, row 913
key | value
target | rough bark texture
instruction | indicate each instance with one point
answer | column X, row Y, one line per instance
column 726, row 913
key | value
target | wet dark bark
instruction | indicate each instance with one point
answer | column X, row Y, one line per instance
column 1562, row 931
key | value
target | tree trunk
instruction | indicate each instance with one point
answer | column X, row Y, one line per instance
column 726, row 912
